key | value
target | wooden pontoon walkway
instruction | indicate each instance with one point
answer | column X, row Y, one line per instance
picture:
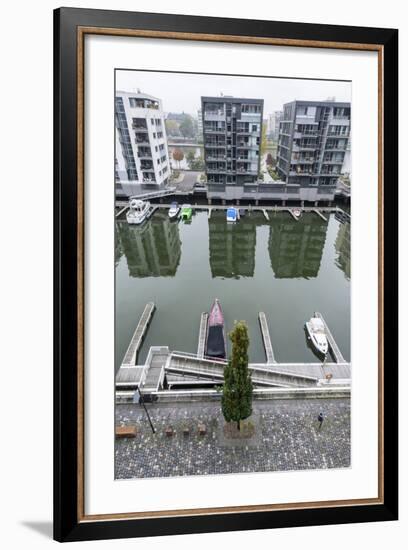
column 270, row 356
column 262, row 375
column 184, row 369
column 155, row 369
column 137, row 338
column 320, row 214
column 338, row 356
column 202, row 335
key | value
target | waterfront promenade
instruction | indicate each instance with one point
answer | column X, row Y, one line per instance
column 286, row 438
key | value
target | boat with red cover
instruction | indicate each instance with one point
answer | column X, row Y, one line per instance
column 216, row 343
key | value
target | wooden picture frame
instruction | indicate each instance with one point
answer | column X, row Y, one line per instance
column 70, row 28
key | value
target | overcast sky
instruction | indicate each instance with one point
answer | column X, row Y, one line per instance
column 182, row 92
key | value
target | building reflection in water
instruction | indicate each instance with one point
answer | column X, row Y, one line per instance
column 152, row 249
column 296, row 247
column 118, row 246
column 342, row 247
column 232, row 247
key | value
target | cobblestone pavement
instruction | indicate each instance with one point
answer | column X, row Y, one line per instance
column 290, row 439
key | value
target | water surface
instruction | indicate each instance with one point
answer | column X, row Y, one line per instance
column 286, row 268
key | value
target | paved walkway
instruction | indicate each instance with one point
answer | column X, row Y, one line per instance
column 187, row 185
column 289, row 439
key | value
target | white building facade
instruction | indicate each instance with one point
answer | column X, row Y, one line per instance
column 141, row 157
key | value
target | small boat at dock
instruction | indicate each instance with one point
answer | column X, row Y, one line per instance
column 216, row 342
column 297, row 213
column 174, row 210
column 232, row 214
column 186, row 212
column 317, row 334
column 138, row 211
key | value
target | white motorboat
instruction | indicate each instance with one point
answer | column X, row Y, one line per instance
column 174, row 210
column 317, row 334
column 138, row 211
column 297, row 213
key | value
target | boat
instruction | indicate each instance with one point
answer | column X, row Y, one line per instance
column 138, row 211
column 232, row 214
column 186, row 212
column 174, row 210
column 241, row 212
column 317, row 335
column 216, row 344
column 297, row 213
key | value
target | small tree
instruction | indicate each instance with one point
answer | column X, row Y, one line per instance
column 264, row 140
column 187, row 126
column 190, row 157
column 236, row 399
column 172, row 127
column 269, row 159
column 178, row 156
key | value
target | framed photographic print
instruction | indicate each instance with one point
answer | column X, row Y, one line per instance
column 225, row 274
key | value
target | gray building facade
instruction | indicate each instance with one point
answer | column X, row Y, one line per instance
column 232, row 132
column 313, row 140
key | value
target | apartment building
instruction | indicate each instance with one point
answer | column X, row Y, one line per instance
column 142, row 156
column 273, row 122
column 200, row 125
column 313, row 140
column 232, row 132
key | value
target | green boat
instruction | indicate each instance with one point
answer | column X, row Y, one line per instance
column 186, row 212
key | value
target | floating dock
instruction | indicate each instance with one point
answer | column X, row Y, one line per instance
column 338, row 356
column 296, row 218
column 137, row 338
column 320, row 214
column 266, row 337
column 202, row 335
column 172, row 369
column 118, row 214
column 155, row 369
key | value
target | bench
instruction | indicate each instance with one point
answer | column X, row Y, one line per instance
column 202, row 430
column 125, row 431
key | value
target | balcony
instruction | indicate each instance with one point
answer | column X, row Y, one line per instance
column 139, row 127
column 214, row 131
column 215, row 145
column 144, row 154
column 343, row 119
column 310, row 160
column 300, row 147
column 242, row 170
column 143, row 140
column 216, row 158
column 214, row 116
column 301, row 172
column 216, row 170
column 147, row 166
column 338, row 135
column 341, row 148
